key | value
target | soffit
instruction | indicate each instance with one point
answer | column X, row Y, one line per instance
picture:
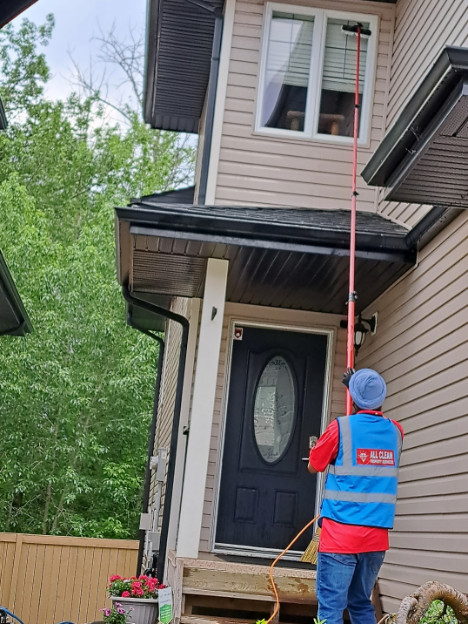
column 424, row 157
column 282, row 258
column 178, row 58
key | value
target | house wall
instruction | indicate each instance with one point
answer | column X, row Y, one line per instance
column 268, row 317
column 255, row 169
column 167, row 397
column 417, row 44
column 421, row 349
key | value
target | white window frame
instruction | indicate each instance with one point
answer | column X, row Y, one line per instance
column 321, row 17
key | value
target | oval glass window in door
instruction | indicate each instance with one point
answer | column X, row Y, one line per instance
column 274, row 409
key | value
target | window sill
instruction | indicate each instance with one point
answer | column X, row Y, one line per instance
column 322, row 139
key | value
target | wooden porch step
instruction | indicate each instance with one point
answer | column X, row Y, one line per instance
column 212, row 590
column 248, row 582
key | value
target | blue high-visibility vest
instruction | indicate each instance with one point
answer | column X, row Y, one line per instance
column 361, row 485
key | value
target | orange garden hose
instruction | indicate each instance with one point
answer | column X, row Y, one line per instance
column 270, row 573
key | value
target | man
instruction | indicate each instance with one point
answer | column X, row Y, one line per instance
column 362, row 452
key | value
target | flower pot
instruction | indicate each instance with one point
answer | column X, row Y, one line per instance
column 141, row 610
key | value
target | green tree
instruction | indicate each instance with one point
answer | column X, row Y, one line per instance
column 76, row 394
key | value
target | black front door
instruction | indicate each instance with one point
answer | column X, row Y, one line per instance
column 275, row 404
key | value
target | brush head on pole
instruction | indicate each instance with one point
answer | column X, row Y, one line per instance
column 310, row 553
column 349, row 29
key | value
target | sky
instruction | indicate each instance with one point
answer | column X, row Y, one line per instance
column 77, row 22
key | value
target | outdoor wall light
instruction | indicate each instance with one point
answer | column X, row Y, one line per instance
column 360, row 329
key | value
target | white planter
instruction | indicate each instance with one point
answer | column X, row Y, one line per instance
column 142, row 611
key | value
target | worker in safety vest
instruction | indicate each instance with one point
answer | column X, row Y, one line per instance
column 362, row 453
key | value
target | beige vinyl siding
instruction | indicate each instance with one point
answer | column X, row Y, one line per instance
column 256, row 169
column 167, row 394
column 269, row 317
column 422, row 29
column 421, row 348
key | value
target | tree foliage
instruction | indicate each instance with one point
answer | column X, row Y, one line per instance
column 76, row 394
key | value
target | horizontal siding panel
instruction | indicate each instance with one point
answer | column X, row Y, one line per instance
column 286, row 186
column 442, row 425
column 447, row 542
column 444, row 467
column 433, row 505
column 418, row 576
column 239, row 159
column 419, row 488
column 430, row 560
column 245, row 197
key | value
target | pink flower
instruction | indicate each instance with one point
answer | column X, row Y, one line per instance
column 125, row 594
column 162, row 586
column 116, row 577
column 137, row 592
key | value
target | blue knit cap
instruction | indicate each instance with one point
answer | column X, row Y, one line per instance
column 367, row 388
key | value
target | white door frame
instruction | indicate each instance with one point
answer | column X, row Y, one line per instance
column 302, row 329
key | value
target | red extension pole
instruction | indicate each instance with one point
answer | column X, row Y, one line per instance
column 352, row 244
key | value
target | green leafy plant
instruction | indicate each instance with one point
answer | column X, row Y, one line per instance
column 134, row 587
column 116, row 614
column 439, row 613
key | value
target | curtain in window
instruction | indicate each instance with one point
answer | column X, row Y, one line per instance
column 339, row 65
column 287, row 70
column 336, row 115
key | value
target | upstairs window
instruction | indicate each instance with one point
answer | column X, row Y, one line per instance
column 308, row 70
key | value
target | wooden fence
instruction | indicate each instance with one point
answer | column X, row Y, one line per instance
column 46, row 579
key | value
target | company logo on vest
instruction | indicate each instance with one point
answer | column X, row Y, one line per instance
column 375, row 457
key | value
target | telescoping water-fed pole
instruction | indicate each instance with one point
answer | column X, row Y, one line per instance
column 311, row 552
column 359, row 31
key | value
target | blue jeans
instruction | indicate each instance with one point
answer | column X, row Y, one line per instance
column 346, row 581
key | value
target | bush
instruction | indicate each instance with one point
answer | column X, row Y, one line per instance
column 439, row 613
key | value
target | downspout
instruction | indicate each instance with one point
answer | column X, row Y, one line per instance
column 211, row 98
column 178, row 318
column 151, row 437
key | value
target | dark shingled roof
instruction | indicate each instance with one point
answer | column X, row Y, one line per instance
column 302, row 226
column 278, row 257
